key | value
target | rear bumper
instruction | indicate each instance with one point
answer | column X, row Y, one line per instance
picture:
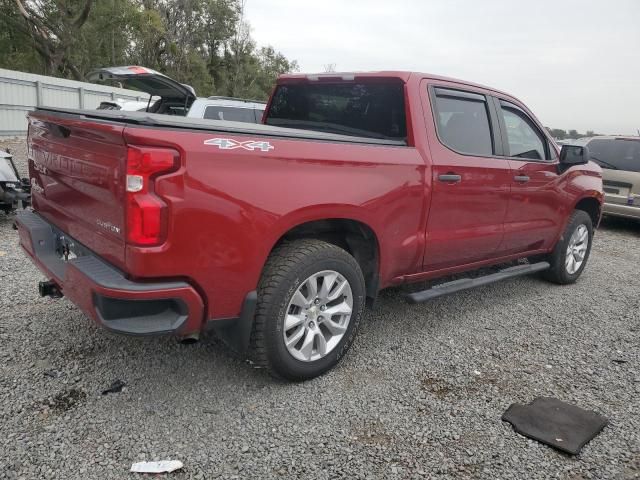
column 105, row 294
column 620, row 210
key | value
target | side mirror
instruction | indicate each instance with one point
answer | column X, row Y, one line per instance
column 571, row 155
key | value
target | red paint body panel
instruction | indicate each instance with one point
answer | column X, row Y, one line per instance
column 223, row 225
column 536, row 209
column 80, row 182
column 466, row 219
column 80, row 289
column 228, row 208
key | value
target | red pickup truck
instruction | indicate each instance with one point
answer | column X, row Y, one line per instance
column 275, row 235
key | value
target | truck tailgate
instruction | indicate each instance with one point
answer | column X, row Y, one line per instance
column 77, row 169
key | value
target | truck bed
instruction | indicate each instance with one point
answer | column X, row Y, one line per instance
column 174, row 122
column 225, row 207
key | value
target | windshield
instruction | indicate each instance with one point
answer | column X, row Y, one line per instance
column 616, row 154
column 374, row 110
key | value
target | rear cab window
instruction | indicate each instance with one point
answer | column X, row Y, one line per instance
column 615, row 153
column 371, row 109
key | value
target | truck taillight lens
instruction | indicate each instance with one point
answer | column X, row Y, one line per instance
column 146, row 212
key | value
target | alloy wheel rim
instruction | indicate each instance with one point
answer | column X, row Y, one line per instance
column 318, row 316
column 577, row 249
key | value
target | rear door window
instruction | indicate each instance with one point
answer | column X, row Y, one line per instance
column 364, row 109
column 525, row 141
column 232, row 114
column 615, row 153
column 463, row 122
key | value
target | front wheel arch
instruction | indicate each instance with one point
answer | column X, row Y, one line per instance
column 592, row 206
column 558, row 273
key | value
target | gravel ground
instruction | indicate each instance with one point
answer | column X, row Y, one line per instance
column 420, row 394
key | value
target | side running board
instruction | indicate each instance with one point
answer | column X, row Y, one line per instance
column 466, row 283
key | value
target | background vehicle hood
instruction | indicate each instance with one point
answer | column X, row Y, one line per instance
column 145, row 80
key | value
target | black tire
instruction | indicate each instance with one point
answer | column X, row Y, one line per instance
column 558, row 272
column 287, row 267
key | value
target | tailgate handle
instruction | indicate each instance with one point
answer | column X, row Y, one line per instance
column 59, row 131
column 450, row 178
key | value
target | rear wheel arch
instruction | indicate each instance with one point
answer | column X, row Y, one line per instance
column 354, row 236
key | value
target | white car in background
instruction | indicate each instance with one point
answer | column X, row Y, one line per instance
column 126, row 105
column 170, row 97
column 227, row 108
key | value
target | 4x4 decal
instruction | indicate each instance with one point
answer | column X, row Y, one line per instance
column 230, row 144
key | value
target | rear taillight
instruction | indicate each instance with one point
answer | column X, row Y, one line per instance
column 146, row 212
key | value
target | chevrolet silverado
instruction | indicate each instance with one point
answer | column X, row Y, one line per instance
column 275, row 235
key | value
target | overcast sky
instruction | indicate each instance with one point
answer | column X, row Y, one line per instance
column 576, row 64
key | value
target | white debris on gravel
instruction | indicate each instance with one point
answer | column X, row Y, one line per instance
column 405, row 402
column 163, row 466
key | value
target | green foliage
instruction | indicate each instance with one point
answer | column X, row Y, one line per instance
column 558, row 133
column 204, row 43
column 16, row 47
column 573, row 134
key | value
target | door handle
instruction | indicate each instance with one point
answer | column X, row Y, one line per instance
column 450, row 178
column 521, row 178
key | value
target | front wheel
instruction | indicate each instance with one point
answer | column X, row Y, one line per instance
column 310, row 302
column 570, row 255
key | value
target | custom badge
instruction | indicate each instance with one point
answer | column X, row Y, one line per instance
column 230, row 144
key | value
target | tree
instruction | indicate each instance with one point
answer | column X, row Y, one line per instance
column 105, row 39
column 573, row 134
column 270, row 64
column 221, row 23
column 16, row 46
column 54, row 30
column 204, row 43
column 246, row 71
column 558, row 133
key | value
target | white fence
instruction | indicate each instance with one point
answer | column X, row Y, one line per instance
column 21, row 92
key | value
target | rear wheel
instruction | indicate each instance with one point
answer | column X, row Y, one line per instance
column 570, row 255
column 310, row 302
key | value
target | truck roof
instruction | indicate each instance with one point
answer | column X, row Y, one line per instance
column 389, row 74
